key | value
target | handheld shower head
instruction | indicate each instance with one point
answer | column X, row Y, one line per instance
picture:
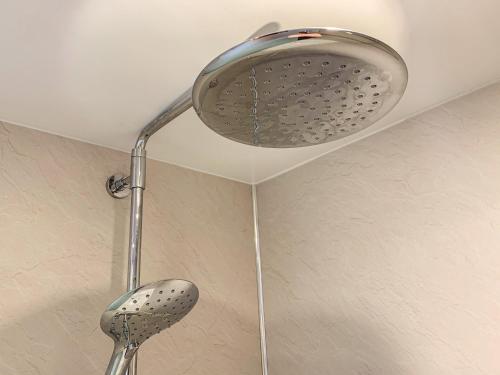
column 139, row 314
column 299, row 87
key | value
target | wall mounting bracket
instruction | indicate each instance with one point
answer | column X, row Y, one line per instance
column 118, row 186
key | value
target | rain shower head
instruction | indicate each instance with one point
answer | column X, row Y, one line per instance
column 139, row 314
column 286, row 89
column 299, row 87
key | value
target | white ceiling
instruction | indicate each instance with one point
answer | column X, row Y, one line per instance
column 98, row 70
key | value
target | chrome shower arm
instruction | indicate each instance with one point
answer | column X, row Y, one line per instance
column 117, row 185
column 184, row 101
column 176, row 108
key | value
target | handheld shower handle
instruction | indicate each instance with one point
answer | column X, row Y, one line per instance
column 120, row 359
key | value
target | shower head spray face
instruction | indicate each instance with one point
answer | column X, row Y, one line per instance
column 137, row 315
column 299, row 87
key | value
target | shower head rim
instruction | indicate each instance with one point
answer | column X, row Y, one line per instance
column 328, row 33
column 284, row 39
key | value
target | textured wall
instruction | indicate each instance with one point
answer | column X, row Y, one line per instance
column 63, row 259
column 383, row 257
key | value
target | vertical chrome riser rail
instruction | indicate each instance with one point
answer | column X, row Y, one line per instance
column 117, row 186
column 260, row 291
column 137, row 186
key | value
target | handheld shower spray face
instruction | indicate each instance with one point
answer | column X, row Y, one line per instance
column 299, row 87
column 139, row 314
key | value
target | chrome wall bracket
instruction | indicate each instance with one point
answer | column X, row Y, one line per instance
column 118, row 186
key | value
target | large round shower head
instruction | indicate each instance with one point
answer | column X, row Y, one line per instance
column 299, row 87
column 137, row 315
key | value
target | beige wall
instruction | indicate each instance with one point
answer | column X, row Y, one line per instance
column 383, row 258
column 63, row 259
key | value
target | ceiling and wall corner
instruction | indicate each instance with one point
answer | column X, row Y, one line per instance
column 99, row 71
column 382, row 257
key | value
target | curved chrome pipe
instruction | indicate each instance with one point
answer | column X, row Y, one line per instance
column 176, row 108
column 184, row 101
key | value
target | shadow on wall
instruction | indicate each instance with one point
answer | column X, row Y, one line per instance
column 355, row 346
column 119, row 261
column 64, row 336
